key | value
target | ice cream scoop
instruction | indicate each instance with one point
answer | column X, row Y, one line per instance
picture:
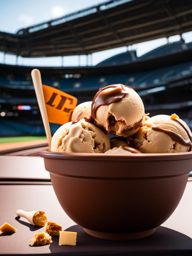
column 82, row 110
column 164, row 134
column 81, row 136
column 122, row 150
column 118, row 109
column 35, row 217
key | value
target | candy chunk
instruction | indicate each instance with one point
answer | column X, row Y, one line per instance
column 174, row 116
column 41, row 239
column 7, row 228
column 67, row 238
column 52, row 228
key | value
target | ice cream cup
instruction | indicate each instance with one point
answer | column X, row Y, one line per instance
column 116, row 196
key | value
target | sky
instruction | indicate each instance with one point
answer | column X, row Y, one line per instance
column 17, row 14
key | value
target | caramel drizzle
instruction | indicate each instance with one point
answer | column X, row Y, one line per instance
column 106, row 97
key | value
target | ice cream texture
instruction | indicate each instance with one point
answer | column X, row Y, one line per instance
column 118, row 109
column 122, row 150
column 82, row 110
column 164, row 134
column 81, row 136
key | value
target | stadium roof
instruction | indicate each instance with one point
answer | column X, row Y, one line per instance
column 111, row 24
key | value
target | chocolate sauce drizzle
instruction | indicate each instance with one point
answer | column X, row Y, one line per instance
column 185, row 128
column 176, row 137
column 105, row 97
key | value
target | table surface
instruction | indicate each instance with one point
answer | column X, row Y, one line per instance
column 24, row 184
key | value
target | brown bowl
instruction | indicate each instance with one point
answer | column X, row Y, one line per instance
column 118, row 197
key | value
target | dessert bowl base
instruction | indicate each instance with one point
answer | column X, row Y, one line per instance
column 119, row 236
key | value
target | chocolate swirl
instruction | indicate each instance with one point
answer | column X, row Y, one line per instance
column 185, row 128
column 176, row 137
column 108, row 95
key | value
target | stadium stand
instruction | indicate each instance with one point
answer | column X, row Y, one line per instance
column 166, row 49
column 161, row 76
column 160, row 87
column 80, row 78
column 122, row 58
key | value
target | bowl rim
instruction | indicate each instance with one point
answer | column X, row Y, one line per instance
column 101, row 156
column 117, row 166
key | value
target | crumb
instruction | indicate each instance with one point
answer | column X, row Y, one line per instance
column 41, row 239
column 52, row 228
column 7, row 228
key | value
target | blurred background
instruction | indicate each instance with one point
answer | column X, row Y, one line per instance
column 81, row 46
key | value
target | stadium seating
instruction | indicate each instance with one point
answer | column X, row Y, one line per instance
column 166, row 49
column 20, row 127
column 130, row 56
column 122, row 58
column 138, row 80
column 23, row 127
column 157, row 86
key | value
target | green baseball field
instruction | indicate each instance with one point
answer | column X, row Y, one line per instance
column 4, row 140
